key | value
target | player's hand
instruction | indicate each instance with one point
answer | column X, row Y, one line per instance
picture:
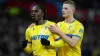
column 24, row 43
column 54, row 28
column 45, row 42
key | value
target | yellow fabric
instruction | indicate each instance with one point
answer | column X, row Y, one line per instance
column 74, row 28
column 34, row 35
column 58, row 42
column 28, row 48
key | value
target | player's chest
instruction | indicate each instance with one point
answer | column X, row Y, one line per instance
column 68, row 28
column 39, row 32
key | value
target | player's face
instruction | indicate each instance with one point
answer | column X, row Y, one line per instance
column 67, row 10
column 36, row 14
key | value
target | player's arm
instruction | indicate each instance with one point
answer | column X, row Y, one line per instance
column 28, row 47
column 73, row 40
column 57, row 43
column 75, row 37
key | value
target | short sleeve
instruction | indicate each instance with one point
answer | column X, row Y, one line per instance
column 78, row 31
column 27, row 35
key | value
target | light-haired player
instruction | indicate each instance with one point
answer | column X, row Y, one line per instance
column 70, row 30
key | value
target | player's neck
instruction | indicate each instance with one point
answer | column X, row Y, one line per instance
column 41, row 21
column 69, row 19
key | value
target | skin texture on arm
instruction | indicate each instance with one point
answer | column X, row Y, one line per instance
column 71, row 41
column 57, row 42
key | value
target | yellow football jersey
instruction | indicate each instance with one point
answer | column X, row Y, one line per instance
column 74, row 28
column 34, row 35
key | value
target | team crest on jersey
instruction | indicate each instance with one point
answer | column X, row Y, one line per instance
column 33, row 28
column 60, row 25
column 81, row 30
column 70, row 27
column 46, row 27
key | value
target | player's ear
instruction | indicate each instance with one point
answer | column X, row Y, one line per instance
column 73, row 10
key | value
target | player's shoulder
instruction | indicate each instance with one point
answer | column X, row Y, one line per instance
column 78, row 23
column 61, row 22
column 50, row 22
column 30, row 27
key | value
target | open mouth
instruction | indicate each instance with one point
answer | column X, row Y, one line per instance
column 33, row 16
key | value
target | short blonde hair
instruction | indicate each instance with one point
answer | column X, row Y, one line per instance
column 71, row 3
